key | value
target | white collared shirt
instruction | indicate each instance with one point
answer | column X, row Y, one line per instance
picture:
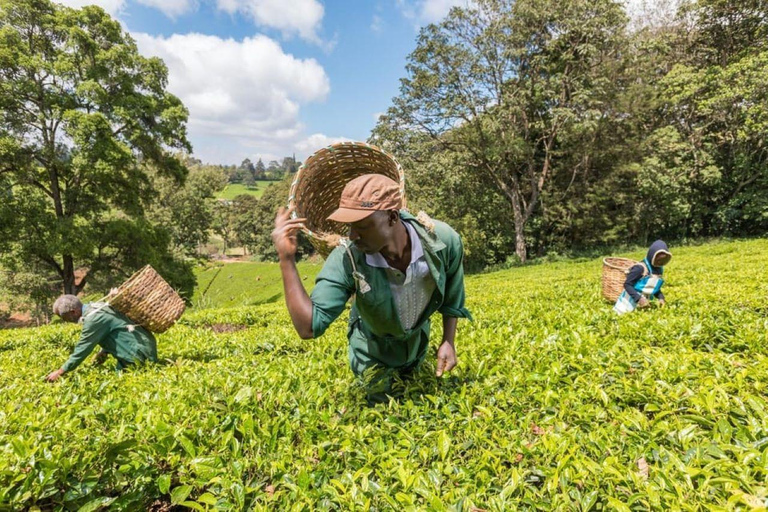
column 413, row 290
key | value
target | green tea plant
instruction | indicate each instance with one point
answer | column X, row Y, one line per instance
column 557, row 404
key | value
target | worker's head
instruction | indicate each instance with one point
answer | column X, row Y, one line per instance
column 370, row 205
column 69, row 308
column 658, row 254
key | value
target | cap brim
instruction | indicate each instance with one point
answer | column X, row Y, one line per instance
column 349, row 215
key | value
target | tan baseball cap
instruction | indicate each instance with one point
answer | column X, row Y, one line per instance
column 367, row 194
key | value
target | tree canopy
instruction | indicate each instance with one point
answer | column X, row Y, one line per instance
column 82, row 117
column 540, row 126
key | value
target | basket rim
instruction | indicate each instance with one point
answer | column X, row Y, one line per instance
column 121, row 289
column 614, row 258
column 334, row 147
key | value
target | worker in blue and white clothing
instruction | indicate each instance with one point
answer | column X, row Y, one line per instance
column 644, row 280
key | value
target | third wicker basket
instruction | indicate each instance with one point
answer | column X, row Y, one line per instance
column 614, row 275
column 316, row 190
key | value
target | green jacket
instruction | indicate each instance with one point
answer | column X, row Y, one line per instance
column 376, row 337
column 115, row 334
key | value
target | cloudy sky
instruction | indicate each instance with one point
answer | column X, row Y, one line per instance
column 269, row 78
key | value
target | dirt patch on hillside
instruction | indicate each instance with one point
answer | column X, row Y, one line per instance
column 223, row 328
column 16, row 321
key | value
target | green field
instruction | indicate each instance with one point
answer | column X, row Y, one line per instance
column 233, row 190
column 244, row 284
column 556, row 404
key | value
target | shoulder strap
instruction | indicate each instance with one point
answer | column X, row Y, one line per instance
column 646, row 267
column 362, row 285
column 93, row 310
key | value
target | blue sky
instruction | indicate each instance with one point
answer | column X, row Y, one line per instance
column 269, row 78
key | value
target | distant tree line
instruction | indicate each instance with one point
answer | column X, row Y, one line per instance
column 249, row 173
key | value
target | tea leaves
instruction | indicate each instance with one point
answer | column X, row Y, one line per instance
column 557, row 404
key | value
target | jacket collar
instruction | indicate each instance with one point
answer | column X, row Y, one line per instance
column 428, row 237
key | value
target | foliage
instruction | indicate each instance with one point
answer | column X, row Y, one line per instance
column 32, row 290
column 188, row 211
column 720, row 115
column 80, row 109
column 556, row 404
column 577, row 129
column 500, row 85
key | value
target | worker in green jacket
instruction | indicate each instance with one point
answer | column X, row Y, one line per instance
column 400, row 268
column 109, row 329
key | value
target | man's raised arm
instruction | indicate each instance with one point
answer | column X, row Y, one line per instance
column 296, row 298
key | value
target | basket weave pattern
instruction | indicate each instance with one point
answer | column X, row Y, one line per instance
column 316, row 190
column 148, row 300
column 614, row 275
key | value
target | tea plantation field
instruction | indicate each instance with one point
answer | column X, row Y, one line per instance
column 556, row 404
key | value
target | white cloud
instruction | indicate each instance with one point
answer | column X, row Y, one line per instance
column 435, row 10
column 429, row 11
column 171, row 8
column 291, row 17
column 111, row 6
column 244, row 97
column 377, row 24
column 316, row 141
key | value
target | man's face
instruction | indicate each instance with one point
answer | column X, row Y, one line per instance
column 374, row 232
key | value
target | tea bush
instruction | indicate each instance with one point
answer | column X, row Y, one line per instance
column 556, row 404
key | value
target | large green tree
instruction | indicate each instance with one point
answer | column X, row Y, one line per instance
column 187, row 211
column 82, row 116
column 501, row 84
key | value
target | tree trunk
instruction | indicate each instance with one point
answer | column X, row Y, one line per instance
column 519, row 219
column 520, row 249
column 68, row 274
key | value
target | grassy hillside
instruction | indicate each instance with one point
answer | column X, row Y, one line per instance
column 244, row 284
column 556, row 404
column 233, row 190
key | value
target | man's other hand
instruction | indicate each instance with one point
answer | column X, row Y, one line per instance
column 643, row 302
column 446, row 358
column 54, row 375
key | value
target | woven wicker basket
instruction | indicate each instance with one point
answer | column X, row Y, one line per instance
column 148, row 300
column 316, row 190
column 614, row 275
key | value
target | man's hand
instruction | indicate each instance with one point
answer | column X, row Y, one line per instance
column 54, row 376
column 284, row 234
column 100, row 358
column 662, row 303
column 446, row 358
column 643, row 302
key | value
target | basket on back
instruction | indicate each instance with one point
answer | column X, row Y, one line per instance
column 614, row 275
column 316, row 190
column 148, row 300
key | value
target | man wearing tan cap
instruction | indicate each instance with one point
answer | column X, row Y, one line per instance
column 401, row 270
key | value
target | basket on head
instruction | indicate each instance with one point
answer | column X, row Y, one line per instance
column 614, row 275
column 316, row 190
column 148, row 300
